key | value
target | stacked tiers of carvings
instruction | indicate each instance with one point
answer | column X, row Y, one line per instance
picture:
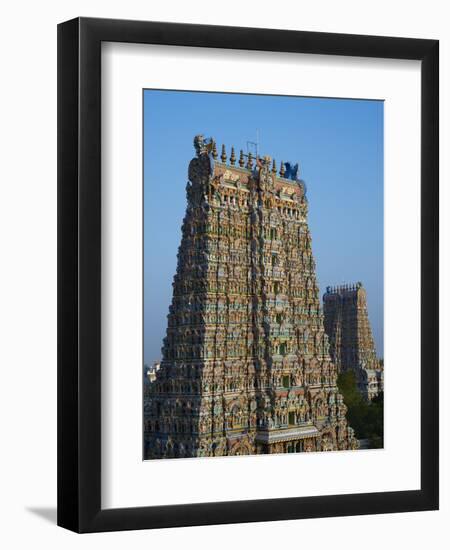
column 351, row 341
column 246, row 366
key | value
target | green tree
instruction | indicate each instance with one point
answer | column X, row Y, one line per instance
column 366, row 418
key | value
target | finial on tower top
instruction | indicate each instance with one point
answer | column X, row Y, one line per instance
column 241, row 159
column 274, row 167
column 232, row 157
column 282, row 170
column 223, row 156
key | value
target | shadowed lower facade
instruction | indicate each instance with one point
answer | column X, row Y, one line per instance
column 246, row 367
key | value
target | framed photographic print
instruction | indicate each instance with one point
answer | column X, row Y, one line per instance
column 248, row 275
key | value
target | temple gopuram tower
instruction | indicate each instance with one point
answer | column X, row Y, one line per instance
column 351, row 342
column 245, row 363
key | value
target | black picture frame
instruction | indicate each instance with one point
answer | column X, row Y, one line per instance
column 79, row 274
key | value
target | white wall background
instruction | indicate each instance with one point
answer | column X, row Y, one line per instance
column 28, row 274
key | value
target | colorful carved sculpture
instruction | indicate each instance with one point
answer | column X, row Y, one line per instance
column 245, row 364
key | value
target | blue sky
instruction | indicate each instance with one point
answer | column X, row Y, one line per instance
column 339, row 146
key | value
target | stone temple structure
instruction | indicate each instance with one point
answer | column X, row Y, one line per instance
column 351, row 342
column 245, row 363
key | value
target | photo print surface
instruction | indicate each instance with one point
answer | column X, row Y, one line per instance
column 263, row 274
